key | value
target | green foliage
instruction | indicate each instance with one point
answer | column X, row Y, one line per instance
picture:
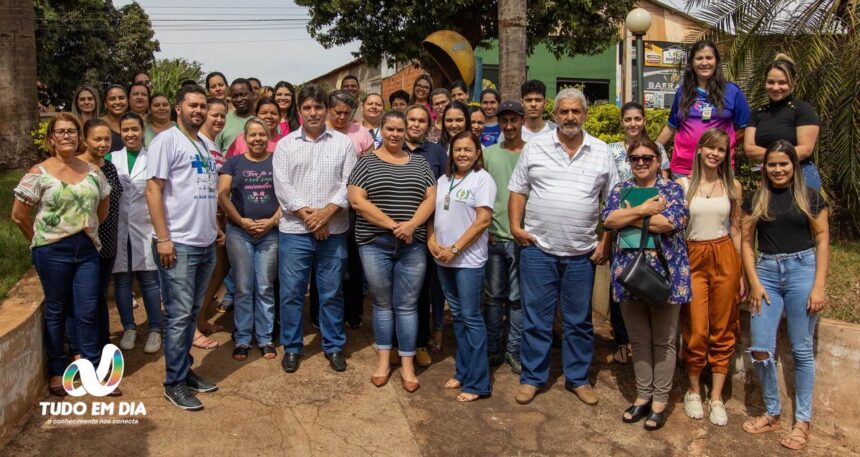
column 824, row 40
column 168, row 74
column 843, row 282
column 90, row 42
column 15, row 260
column 39, row 136
column 394, row 30
column 604, row 122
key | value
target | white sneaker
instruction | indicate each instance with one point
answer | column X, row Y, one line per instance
column 153, row 343
column 693, row 405
column 718, row 414
column 128, row 339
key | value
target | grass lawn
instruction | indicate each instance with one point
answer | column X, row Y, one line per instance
column 14, row 249
column 843, row 285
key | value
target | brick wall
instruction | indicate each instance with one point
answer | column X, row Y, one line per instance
column 404, row 79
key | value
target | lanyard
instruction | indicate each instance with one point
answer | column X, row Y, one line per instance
column 451, row 187
column 203, row 156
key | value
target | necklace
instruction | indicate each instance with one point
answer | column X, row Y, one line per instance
column 713, row 188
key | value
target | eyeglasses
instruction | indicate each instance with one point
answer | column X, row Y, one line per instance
column 71, row 133
column 646, row 159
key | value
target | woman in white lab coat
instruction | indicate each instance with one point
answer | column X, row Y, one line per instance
column 134, row 251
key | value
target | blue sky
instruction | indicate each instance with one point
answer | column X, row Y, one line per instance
column 262, row 38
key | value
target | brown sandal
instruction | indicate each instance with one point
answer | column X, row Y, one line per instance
column 771, row 424
column 797, row 439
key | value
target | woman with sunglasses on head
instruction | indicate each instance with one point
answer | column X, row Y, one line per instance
column 633, row 125
column 70, row 197
column 159, row 117
column 134, row 253
column 288, row 114
column 703, row 100
column 85, row 103
column 652, row 329
column 788, row 222
column 710, row 321
column 784, row 118
column 116, row 104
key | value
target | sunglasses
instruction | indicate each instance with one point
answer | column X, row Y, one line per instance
column 646, row 159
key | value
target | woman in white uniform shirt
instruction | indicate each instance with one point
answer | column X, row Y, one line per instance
column 458, row 241
column 134, row 254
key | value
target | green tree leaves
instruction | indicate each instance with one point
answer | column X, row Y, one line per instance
column 168, row 74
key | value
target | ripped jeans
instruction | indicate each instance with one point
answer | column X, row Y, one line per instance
column 788, row 279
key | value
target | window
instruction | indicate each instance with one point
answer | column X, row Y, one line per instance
column 595, row 90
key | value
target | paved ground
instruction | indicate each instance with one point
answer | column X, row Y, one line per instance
column 261, row 411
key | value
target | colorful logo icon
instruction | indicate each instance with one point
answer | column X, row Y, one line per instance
column 110, row 370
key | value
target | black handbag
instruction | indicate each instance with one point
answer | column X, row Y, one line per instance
column 643, row 281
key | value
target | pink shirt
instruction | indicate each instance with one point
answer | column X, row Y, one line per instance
column 360, row 137
column 240, row 147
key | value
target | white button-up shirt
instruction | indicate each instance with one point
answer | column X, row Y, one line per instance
column 312, row 173
column 564, row 193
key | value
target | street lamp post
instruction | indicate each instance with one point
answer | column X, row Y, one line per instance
column 638, row 22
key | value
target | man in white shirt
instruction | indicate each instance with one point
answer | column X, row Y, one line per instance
column 181, row 197
column 311, row 167
column 556, row 189
column 533, row 93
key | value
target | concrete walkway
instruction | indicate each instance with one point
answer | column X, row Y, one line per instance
column 262, row 411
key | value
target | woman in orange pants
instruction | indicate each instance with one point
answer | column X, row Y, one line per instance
column 710, row 321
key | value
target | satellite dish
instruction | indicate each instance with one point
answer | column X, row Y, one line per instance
column 453, row 54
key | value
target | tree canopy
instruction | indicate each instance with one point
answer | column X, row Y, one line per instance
column 168, row 74
column 90, row 41
column 394, row 30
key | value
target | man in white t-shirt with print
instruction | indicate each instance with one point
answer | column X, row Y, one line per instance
column 181, row 196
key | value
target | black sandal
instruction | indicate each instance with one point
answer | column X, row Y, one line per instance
column 269, row 351
column 636, row 412
column 240, row 353
column 659, row 420
column 57, row 391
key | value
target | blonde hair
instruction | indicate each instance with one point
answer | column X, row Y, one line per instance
column 713, row 138
column 761, row 199
column 785, row 64
column 256, row 120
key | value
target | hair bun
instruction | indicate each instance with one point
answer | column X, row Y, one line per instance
column 783, row 57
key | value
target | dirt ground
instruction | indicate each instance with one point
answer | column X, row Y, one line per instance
column 261, row 411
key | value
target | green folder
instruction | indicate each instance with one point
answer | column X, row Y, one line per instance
column 628, row 237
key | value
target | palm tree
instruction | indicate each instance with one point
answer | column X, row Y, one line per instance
column 822, row 37
column 512, row 47
column 18, row 110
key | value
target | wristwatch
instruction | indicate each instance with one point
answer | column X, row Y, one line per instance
column 455, row 249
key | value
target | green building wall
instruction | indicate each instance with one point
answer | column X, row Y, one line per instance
column 597, row 70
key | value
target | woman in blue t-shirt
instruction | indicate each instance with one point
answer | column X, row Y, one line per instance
column 246, row 193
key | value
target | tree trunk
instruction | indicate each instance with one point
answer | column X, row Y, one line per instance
column 512, row 47
column 18, row 109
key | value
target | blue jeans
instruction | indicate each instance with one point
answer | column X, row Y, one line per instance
column 254, row 263
column 502, row 284
column 151, row 292
column 810, row 175
column 462, row 287
column 68, row 270
column 105, row 268
column 183, row 290
column 229, row 287
column 788, row 279
column 545, row 279
column 297, row 254
column 395, row 273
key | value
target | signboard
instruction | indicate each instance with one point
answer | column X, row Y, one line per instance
column 664, row 64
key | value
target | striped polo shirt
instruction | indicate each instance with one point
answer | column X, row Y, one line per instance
column 564, row 193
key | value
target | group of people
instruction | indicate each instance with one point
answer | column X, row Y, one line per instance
column 490, row 208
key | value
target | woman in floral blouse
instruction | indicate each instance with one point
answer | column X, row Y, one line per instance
column 71, row 198
column 652, row 329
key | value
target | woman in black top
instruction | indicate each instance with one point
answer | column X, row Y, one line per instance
column 393, row 193
column 97, row 138
column 784, row 118
column 789, row 222
column 116, row 104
